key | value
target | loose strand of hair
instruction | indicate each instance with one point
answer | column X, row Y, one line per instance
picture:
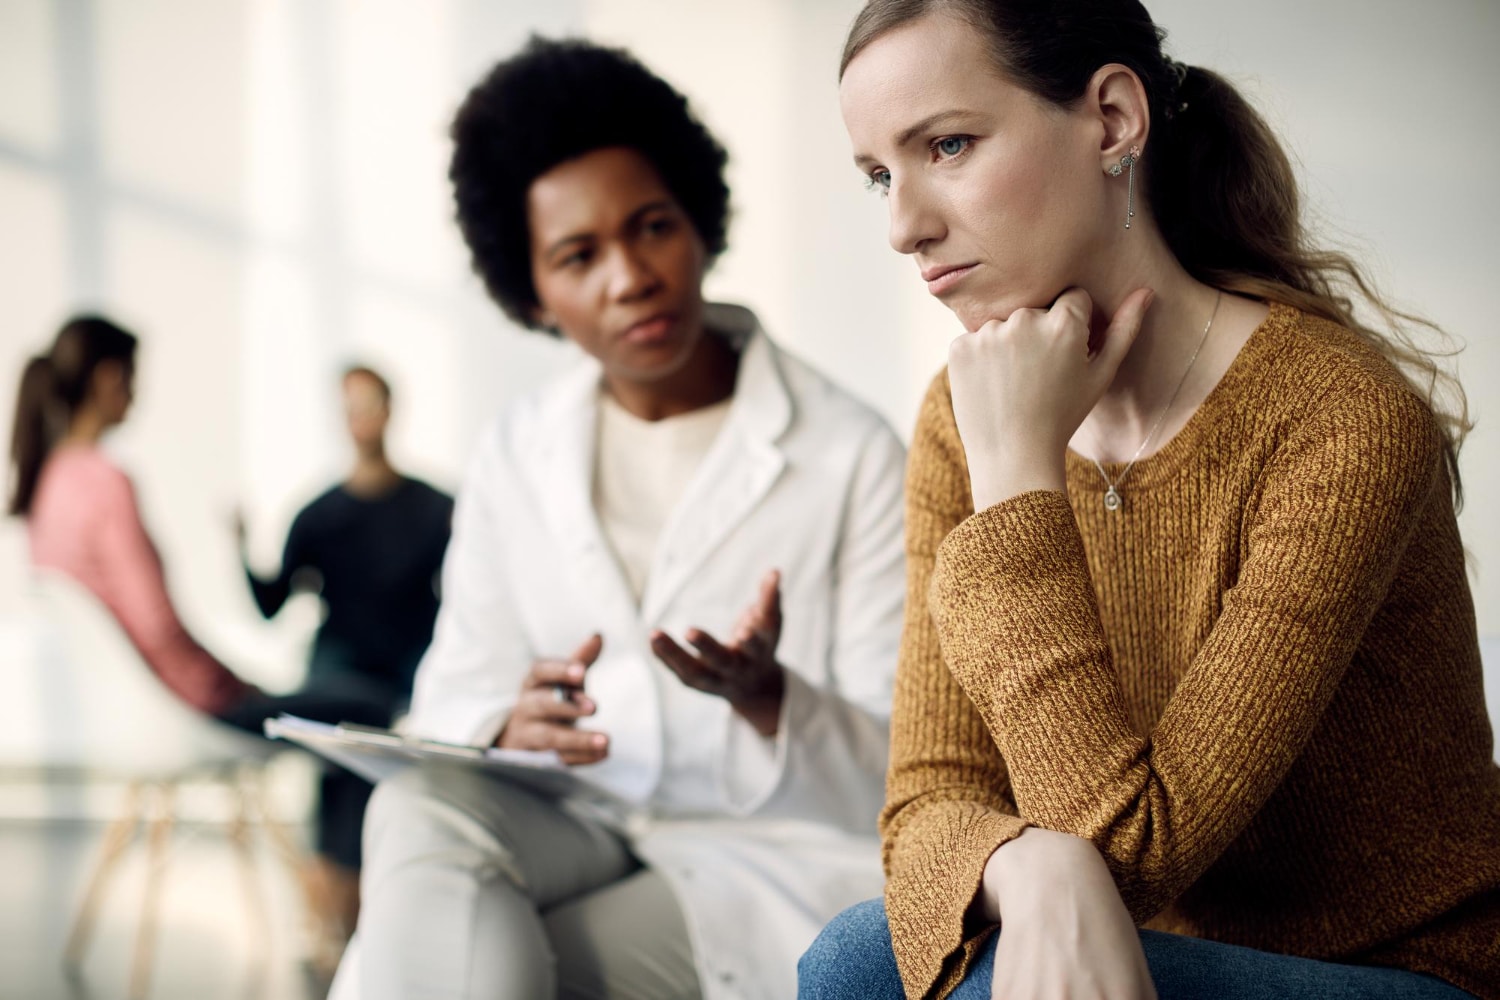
column 1252, row 237
column 1419, row 364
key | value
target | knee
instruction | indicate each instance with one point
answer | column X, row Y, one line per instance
column 404, row 813
column 395, row 797
column 851, row 958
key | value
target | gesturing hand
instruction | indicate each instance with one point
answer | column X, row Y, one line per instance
column 1022, row 386
column 551, row 701
column 744, row 670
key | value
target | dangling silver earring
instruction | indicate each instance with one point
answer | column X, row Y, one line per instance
column 1127, row 162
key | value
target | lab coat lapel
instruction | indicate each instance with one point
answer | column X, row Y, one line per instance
column 736, row 474
column 560, row 472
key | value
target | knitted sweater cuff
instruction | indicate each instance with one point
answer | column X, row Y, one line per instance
column 930, row 893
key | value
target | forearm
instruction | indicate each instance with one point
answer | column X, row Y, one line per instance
column 1043, row 676
column 1042, row 679
column 826, row 761
column 270, row 593
column 192, row 673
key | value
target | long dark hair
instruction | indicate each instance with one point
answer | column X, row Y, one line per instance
column 53, row 385
column 1220, row 186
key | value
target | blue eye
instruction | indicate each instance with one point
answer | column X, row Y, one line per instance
column 951, row 145
column 879, row 179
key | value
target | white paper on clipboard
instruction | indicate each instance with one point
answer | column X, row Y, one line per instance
column 376, row 754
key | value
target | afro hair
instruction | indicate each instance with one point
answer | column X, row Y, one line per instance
column 552, row 102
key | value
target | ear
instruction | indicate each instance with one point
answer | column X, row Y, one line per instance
column 543, row 317
column 106, row 376
column 1118, row 99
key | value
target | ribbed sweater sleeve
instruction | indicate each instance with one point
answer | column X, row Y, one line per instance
column 948, row 802
column 1020, row 629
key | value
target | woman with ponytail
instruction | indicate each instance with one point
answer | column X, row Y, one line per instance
column 72, row 394
column 83, row 521
column 1189, row 701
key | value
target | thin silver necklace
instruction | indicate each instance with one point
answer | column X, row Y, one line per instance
column 1112, row 499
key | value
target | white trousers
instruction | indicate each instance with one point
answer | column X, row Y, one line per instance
column 476, row 889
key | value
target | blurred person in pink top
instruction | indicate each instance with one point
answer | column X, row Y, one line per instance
column 80, row 508
column 83, row 520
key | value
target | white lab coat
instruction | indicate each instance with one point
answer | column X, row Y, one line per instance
column 763, row 841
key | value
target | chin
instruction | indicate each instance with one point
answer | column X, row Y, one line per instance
column 654, row 362
column 974, row 315
column 973, row 312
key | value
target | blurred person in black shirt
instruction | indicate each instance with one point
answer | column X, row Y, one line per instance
column 371, row 547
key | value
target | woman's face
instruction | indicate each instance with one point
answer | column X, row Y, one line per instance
column 616, row 263
column 996, row 194
column 112, row 390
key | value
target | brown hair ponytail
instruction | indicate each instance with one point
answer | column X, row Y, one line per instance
column 52, row 387
column 35, row 429
column 1219, row 183
column 1227, row 201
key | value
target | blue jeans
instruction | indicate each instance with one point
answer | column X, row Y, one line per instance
column 852, row 960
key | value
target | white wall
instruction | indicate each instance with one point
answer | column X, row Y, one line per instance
column 258, row 187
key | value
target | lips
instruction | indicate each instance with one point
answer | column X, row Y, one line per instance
column 942, row 277
column 651, row 330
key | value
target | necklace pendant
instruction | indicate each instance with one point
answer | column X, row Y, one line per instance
column 1112, row 501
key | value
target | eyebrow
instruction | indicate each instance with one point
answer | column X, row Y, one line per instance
column 652, row 206
column 929, row 123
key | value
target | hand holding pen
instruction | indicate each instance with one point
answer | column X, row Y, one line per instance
column 551, row 702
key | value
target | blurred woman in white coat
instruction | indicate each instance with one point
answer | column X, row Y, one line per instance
column 679, row 566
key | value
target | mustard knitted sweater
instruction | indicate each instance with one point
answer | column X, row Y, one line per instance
column 1256, row 688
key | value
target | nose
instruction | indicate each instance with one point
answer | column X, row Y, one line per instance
column 631, row 276
column 915, row 220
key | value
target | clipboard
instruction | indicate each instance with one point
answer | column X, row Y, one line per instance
column 375, row 754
